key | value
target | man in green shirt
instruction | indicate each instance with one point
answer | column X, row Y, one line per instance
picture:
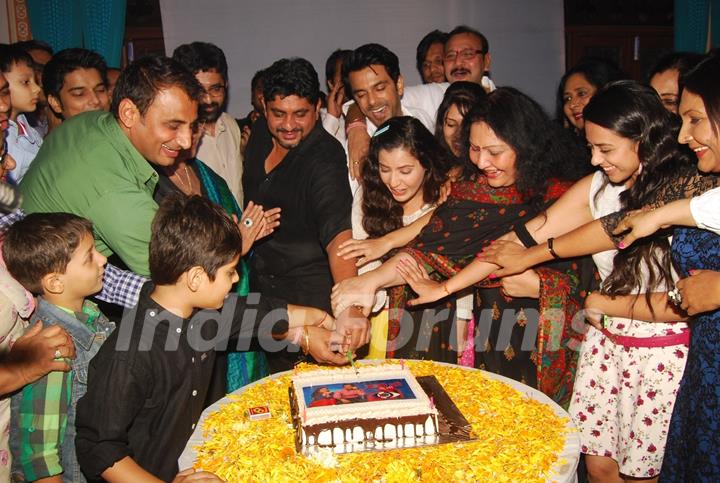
column 96, row 165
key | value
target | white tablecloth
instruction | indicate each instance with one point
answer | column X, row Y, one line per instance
column 564, row 472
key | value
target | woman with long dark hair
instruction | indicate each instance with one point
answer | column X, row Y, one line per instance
column 402, row 180
column 519, row 152
column 631, row 363
column 692, row 448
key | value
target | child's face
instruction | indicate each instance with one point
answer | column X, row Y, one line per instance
column 84, row 273
column 212, row 294
column 24, row 91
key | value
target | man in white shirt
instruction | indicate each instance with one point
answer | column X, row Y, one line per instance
column 371, row 75
column 467, row 57
column 220, row 147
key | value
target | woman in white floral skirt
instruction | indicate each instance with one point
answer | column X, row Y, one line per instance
column 633, row 357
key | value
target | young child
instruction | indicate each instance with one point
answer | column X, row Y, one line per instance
column 23, row 140
column 147, row 385
column 53, row 255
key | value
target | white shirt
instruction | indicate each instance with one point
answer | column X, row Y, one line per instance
column 705, row 210
column 336, row 127
column 464, row 304
column 221, row 153
column 428, row 97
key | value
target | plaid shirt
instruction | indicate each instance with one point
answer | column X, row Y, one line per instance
column 121, row 287
column 42, row 430
column 42, row 418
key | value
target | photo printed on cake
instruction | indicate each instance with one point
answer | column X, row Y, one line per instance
column 357, row 392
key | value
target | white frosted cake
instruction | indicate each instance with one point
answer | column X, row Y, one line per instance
column 375, row 407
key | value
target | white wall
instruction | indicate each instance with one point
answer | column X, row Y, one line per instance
column 526, row 37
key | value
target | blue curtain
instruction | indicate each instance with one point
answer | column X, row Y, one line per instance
column 97, row 25
column 691, row 25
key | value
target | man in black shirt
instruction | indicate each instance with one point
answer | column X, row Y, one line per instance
column 147, row 383
column 291, row 162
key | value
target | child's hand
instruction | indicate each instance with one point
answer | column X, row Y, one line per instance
column 192, row 475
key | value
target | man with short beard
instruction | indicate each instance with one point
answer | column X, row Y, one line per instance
column 294, row 164
column 220, row 147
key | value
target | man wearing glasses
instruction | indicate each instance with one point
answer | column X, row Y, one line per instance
column 220, row 144
column 467, row 57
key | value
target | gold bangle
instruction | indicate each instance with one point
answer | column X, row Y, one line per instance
column 445, row 289
column 306, row 336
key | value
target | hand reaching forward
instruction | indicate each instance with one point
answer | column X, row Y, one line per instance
column 508, row 255
column 352, row 291
column 321, row 343
column 364, row 250
column 419, row 280
column 354, row 327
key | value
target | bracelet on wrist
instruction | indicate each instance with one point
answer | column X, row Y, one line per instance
column 306, row 337
column 295, row 335
column 322, row 320
column 550, row 248
column 354, row 124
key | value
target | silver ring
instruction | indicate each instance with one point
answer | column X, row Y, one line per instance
column 248, row 222
column 58, row 354
column 675, row 297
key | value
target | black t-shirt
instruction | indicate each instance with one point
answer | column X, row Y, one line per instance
column 311, row 186
column 147, row 383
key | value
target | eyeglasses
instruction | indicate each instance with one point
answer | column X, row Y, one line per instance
column 215, row 91
column 429, row 63
column 467, row 54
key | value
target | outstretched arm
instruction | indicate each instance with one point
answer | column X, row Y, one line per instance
column 636, row 306
column 586, row 240
column 372, row 249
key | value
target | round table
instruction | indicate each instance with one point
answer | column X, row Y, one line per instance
column 565, row 469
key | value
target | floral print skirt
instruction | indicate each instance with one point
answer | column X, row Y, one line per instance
column 623, row 400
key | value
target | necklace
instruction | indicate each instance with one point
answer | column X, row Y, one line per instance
column 186, row 188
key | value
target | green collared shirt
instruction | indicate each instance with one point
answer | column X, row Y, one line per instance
column 88, row 167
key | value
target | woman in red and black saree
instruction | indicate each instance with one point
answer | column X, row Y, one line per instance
column 522, row 162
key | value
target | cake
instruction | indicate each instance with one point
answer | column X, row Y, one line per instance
column 369, row 408
column 519, row 436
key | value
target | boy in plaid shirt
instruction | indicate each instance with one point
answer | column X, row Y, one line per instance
column 53, row 255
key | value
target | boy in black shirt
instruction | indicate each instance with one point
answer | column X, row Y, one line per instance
column 147, row 384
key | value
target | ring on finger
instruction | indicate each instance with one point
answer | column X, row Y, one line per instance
column 248, row 222
column 57, row 354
